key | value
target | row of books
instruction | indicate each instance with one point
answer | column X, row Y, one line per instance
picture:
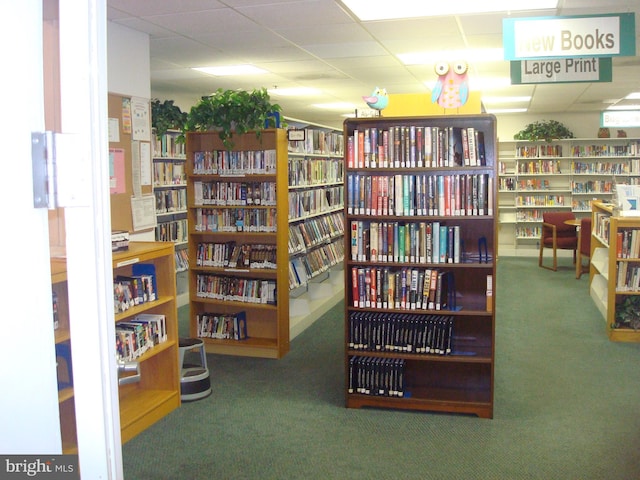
column 376, row 376
column 318, row 141
column 303, row 203
column 226, row 162
column 540, row 200
column 236, row 255
column 234, row 193
column 56, row 315
column 410, row 146
column 222, row 325
column 601, row 224
column 540, row 150
column 132, row 290
column 167, row 146
column 182, row 259
column 592, row 186
column 319, row 260
column 628, row 243
column 315, row 231
column 539, row 166
column 600, row 168
column 236, row 289
column 628, row 277
column 139, row 334
column 401, row 332
column 398, row 242
column 528, row 232
column 236, row 220
column 420, row 194
column 403, row 289
column 168, row 174
column 604, row 150
column 309, row 171
column 169, row 201
column 172, row 231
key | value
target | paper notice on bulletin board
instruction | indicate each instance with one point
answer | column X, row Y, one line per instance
column 116, row 171
column 143, row 212
column 140, row 119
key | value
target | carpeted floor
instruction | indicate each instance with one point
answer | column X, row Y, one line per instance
column 566, row 406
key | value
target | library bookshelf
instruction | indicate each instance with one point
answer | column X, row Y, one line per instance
column 316, row 223
column 170, row 190
column 615, row 268
column 565, row 175
column 157, row 391
column 430, row 348
column 238, row 198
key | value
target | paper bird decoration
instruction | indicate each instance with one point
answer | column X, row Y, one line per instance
column 452, row 88
column 378, row 100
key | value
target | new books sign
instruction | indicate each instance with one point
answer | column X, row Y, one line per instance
column 609, row 35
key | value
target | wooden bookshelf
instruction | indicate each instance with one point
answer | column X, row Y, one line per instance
column 612, row 256
column 157, row 392
column 219, row 219
column 407, row 369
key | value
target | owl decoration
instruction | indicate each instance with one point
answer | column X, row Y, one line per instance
column 452, row 88
column 378, row 100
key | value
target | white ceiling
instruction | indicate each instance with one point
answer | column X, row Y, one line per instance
column 318, row 43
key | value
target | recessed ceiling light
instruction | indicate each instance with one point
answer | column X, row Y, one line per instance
column 383, row 10
column 624, row 107
column 227, row 70
column 335, row 106
column 471, row 55
column 294, row 91
column 633, row 96
column 494, row 100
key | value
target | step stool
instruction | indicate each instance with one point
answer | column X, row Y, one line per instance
column 195, row 382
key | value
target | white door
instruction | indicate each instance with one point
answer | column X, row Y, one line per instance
column 29, row 418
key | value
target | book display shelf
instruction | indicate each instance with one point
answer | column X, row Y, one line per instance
column 150, row 385
column 316, row 223
column 238, row 236
column 153, row 389
column 568, row 175
column 170, row 190
column 420, row 263
column 614, row 276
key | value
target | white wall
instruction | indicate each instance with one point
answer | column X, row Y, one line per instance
column 128, row 61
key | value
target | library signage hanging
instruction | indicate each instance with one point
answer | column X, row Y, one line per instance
column 609, row 35
column 561, row 70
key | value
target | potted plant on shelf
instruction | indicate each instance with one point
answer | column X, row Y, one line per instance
column 233, row 112
column 628, row 313
column 544, row 130
column 166, row 116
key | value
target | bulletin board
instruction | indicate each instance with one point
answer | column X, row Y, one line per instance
column 129, row 135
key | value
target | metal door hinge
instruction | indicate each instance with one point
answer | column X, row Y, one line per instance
column 59, row 171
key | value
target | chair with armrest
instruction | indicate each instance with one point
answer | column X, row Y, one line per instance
column 557, row 235
column 584, row 246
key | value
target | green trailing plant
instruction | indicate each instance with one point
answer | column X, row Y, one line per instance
column 628, row 313
column 544, row 130
column 166, row 116
column 233, row 112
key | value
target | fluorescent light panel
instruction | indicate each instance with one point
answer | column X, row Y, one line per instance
column 294, row 91
column 367, row 10
column 227, row 70
column 494, row 100
column 633, row 96
column 471, row 55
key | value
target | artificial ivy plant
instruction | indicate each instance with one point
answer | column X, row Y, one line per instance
column 166, row 116
column 232, row 111
column 628, row 313
column 544, row 130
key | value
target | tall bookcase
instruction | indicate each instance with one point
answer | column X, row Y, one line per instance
column 615, row 268
column 419, row 311
column 239, row 297
column 567, row 174
column 316, row 223
column 146, row 398
column 170, row 190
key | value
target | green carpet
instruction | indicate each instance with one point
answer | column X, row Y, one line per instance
column 566, row 405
